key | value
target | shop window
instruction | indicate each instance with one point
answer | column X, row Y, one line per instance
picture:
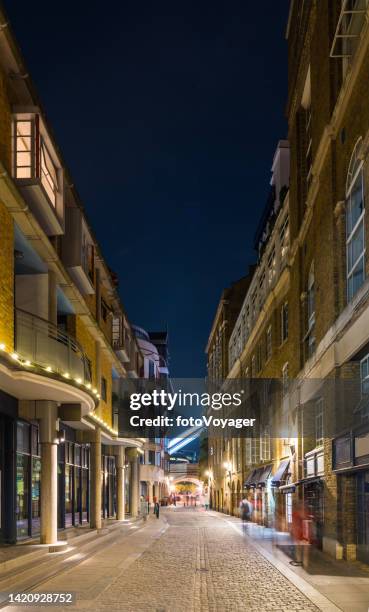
column 289, row 508
column 355, row 233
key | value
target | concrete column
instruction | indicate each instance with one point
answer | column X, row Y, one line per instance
column 47, row 413
column 120, row 483
column 53, row 308
column 133, row 459
column 95, row 491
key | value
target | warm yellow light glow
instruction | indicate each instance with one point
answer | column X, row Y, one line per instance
column 27, row 363
column 48, row 369
column 2, row 347
column 66, row 375
column 88, row 386
column 15, row 356
column 78, row 381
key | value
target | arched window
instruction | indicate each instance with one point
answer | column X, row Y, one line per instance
column 355, row 235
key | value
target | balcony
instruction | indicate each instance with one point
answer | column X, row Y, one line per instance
column 78, row 251
column 38, row 172
column 41, row 343
column 121, row 340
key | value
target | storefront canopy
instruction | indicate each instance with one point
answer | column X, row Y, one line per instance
column 280, row 475
column 264, row 475
column 249, row 482
column 258, row 477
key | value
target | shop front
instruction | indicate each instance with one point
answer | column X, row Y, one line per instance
column 73, row 481
column 108, row 486
column 28, row 477
column 351, row 464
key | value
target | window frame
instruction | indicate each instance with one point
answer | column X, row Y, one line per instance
column 355, row 171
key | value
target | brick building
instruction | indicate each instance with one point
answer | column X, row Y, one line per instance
column 64, row 335
column 323, row 365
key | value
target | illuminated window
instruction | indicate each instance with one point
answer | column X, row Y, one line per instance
column 24, row 149
column 48, row 174
column 355, row 234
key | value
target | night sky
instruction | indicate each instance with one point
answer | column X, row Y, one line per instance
column 168, row 115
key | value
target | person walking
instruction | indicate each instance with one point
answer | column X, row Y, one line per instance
column 157, row 509
column 246, row 510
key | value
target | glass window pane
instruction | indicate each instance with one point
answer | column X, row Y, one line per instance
column 24, row 128
column 23, row 143
column 23, row 439
column 22, row 493
column 24, row 173
column 23, row 159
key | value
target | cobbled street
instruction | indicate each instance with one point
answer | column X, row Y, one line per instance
column 197, row 563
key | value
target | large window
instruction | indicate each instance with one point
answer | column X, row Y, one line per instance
column 24, row 150
column 272, row 266
column 310, row 335
column 284, row 236
column 28, row 476
column 48, row 173
column 355, row 235
column 32, row 158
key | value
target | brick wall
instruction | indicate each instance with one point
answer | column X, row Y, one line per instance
column 6, row 278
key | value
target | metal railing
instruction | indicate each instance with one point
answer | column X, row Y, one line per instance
column 44, row 344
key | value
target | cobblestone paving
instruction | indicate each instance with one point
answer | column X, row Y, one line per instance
column 201, row 564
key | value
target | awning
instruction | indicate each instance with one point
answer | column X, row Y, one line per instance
column 280, row 474
column 290, row 488
column 264, row 475
column 249, row 482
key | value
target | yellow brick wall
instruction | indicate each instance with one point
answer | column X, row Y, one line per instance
column 6, row 278
column 105, row 408
column 87, row 342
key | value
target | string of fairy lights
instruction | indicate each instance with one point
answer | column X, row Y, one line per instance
column 30, row 364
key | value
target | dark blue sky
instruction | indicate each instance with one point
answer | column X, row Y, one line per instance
column 168, row 114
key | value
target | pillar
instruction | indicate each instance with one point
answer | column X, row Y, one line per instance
column 95, row 491
column 133, row 459
column 47, row 414
column 120, row 463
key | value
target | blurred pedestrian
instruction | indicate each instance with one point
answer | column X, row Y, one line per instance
column 157, row 509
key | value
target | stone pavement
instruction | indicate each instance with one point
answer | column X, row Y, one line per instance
column 187, row 561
